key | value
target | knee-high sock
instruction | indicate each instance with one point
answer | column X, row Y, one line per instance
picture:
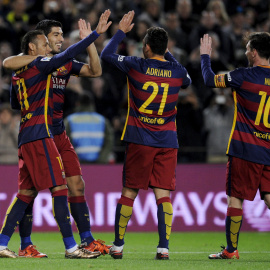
column 122, row 216
column 79, row 210
column 233, row 226
column 13, row 217
column 62, row 217
column 165, row 215
column 25, row 226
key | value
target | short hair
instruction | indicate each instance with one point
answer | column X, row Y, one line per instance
column 30, row 36
column 260, row 41
column 47, row 25
column 157, row 39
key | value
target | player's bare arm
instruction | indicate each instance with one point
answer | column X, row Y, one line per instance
column 18, row 61
column 103, row 23
column 93, row 68
column 126, row 24
column 206, row 45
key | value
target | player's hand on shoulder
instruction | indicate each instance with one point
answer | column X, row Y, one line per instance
column 85, row 28
column 126, row 23
column 103, row 23
column 206, row 45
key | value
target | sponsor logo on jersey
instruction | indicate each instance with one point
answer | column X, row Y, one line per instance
column 27, row 117
column 148, row 120
column 265, row 136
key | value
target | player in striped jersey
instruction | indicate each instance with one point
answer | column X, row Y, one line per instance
column 150, row 129
column 248, row 167
column 60, row 77
column 40, row 164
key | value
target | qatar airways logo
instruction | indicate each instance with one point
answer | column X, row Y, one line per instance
column 257, row 214
column 58, row 83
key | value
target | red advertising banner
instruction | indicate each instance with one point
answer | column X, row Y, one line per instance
column 199, row 202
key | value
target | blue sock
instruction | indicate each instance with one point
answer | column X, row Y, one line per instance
column 14, row 215
column 25, row 227
column 80, row 212
column 164, row 214
column 62, row 217
column 122, row 216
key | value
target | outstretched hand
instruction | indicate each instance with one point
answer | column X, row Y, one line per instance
column 103, row 23
column 206, row 45
column 126, row 23
column 85, row 29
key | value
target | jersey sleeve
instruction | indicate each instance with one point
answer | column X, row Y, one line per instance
column 48, row 65
column 76, row 67
column 186, row 79
column 13, row 99
column 235, row 78
column 109, row 53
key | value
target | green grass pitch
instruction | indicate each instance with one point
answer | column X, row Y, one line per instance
column 187, row 251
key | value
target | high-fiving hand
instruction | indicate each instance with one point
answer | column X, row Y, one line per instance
column 206, row 45
column 103, row 23
column 85, row 29
column 126, row 23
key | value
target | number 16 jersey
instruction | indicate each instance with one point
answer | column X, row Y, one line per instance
column 250, row 135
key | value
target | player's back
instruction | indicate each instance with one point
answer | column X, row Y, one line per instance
column 250, row 138
column 153, row 93
column 34, row 93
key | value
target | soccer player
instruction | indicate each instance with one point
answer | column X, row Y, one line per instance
column 40, row 164
column 76, row 198
column 150, row 129
column 248, row 167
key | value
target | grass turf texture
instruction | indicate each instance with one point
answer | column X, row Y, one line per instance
column 187, row 251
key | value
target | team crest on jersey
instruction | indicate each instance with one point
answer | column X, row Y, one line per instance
column 62, row 70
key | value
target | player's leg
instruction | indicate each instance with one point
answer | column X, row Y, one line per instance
column 163, row 181
column 76, row 197
column 14, row 215
column 242, row 182
column 164, row 215
column 122, row 216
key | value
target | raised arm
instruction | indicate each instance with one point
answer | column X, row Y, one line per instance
column 125, row 25
column 18, row 61
column 78, row 47
column 93, row 68
column 205, row 51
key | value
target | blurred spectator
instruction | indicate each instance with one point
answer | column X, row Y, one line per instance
column 173, row 27
column 9, row 128
column 91, row 133
column 152, row 12
column 190, row 124
column 188, row 20
column 18, row 20
column 218, row 118
column 218, row 7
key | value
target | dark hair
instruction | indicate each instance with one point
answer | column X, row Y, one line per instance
column 260, row 41
column 46, row 26
column 30, row 36
column 157, row 39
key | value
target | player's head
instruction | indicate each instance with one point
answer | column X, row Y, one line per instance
column 259, row 41
column 35, row 43
column 157, row 39
column 54, row 33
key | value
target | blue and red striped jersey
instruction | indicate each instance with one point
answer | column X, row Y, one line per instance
column 60, row 80
column 250, row 136
column 153, row 87
column 32, row 87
